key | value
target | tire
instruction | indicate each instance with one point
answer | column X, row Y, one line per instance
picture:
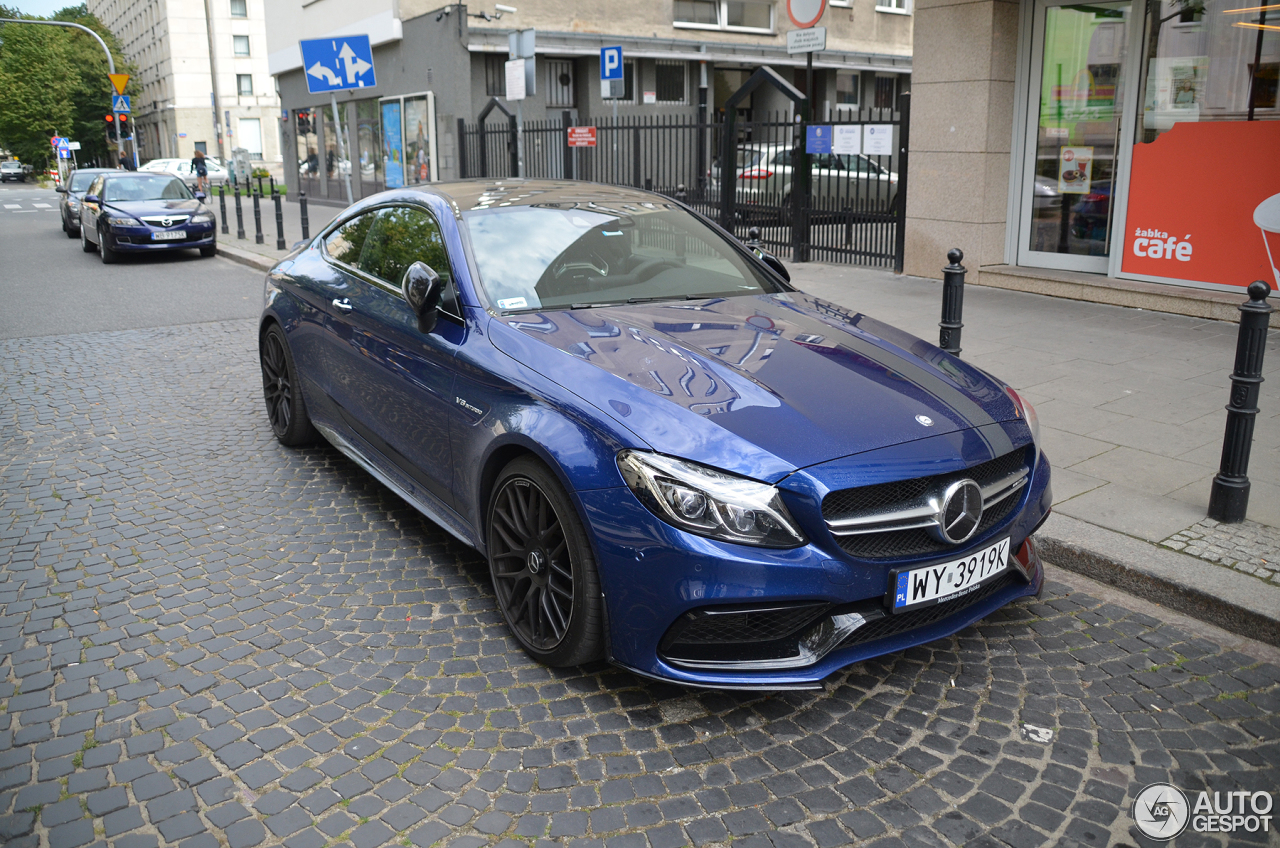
column 86, row 245
column 211, row 250
column 282, row 390
column 109, row 256
column 72, row 232
column 543, row 571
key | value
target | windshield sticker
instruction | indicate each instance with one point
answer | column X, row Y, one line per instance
column 513, row 303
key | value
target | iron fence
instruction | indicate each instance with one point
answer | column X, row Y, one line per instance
column 851, row 210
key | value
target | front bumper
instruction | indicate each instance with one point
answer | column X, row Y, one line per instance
column 139, row 238
column 654, row 574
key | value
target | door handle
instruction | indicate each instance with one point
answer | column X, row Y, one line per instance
column 343, row 304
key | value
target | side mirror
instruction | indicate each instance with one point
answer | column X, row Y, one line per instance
column 423, row 288
column 773, row 262
column 61, row 189
column 92, row 198
column 200, row 195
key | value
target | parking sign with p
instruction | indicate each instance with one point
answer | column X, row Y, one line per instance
column 612, row 81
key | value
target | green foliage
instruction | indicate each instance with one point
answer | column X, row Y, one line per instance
column 55, row 78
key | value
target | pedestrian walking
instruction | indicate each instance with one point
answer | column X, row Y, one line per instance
column 201, row 169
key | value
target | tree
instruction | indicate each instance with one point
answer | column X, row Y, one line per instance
column 55, row 79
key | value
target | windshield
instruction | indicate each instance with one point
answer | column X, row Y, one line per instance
column 573, row 256
column 80, row 182
column 144, row 188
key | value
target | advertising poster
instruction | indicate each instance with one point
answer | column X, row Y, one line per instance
column 417, row 125
column 392, row 146
column 1075, row 166
column 1215, row 234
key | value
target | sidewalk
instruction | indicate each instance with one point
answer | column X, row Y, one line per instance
column 1131, row 407
column 264, row 255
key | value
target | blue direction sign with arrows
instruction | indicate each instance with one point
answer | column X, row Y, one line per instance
column 335, row 64
column 120, row 103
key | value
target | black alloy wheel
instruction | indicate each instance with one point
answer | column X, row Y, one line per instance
column 543, row 571
column 108, row 255
column 282, row 391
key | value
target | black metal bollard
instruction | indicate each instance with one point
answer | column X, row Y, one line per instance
column 681, row 194
column 753, row 237
column 257, row 217
column 279, row 221
column 1229, row 497
column 272, row 180
column 952, row 303
column 302, row 208
column 259, row 185
column 222, row 202
column 239, row 216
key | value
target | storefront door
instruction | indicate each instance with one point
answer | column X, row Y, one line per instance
column 1073, row 140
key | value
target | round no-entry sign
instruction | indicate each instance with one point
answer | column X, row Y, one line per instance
column 805, row 13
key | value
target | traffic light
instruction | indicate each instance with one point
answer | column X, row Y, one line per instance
column 111, row 120
column 126, row 131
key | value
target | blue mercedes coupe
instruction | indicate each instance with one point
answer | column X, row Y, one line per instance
column 669, row 456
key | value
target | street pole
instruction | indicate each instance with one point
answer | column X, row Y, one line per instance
column 213, row 78
column 342, row 145
column 111, row 64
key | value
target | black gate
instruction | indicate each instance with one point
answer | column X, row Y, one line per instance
column 849, row 211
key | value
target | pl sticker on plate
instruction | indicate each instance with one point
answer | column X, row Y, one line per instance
column 513, row 303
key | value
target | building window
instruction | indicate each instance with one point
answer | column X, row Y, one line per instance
column 240, row 44
column 239, row 8
column 886, row 92
column 669, row 81
column 495, row 75
column 560, row 83
column 629, row 81
column 748, row 15
column 901, row 7
column 244, row 84
column 847, row 85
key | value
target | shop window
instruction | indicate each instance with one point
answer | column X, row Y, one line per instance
column 495, row 75
column 240, row 44
column 239, row 8
column 244, row 85
column 560, row 83
column 669, row 82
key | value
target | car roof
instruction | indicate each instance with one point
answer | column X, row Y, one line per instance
column 469, row 195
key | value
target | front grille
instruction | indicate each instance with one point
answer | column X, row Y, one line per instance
column 892, row 625
column 739, row 634
column 886, row 497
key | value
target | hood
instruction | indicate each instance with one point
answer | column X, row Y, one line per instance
column 138, row 208
column 760, row 385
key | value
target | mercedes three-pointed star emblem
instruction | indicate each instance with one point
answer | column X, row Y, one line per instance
column 959, row 512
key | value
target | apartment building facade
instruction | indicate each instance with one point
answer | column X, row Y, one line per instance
column 436, row 64
column 181, row 48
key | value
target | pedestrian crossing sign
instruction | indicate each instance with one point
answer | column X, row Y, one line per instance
column 120, row 103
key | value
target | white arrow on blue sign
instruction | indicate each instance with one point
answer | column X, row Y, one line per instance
column 336, row 64
column 120, row 103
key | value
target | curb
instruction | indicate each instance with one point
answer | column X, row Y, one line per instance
column 245, row 257
column 1237, row 602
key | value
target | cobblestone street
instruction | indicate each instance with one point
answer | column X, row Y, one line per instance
column 209, row 640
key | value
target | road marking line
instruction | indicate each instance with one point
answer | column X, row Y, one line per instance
column 43, row 206
column 13, row 206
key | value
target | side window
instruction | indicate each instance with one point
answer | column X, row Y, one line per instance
column 402, row 235
column 345, row 243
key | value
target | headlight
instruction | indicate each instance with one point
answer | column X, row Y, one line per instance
column 1028, row 413
column 708, row 502
column 122, row 222
column 72, row 204
column 202, row 218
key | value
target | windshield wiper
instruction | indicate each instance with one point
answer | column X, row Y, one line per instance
column 595, row 305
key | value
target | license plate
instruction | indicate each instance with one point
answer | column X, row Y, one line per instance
column 934, row 584
column 172, row 235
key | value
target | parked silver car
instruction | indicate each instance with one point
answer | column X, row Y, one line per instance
column 855, row 181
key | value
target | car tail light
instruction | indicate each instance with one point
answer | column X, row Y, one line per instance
column 756, row 174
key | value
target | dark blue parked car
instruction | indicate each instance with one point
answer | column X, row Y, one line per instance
column 125, row 211
column 669, row 456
